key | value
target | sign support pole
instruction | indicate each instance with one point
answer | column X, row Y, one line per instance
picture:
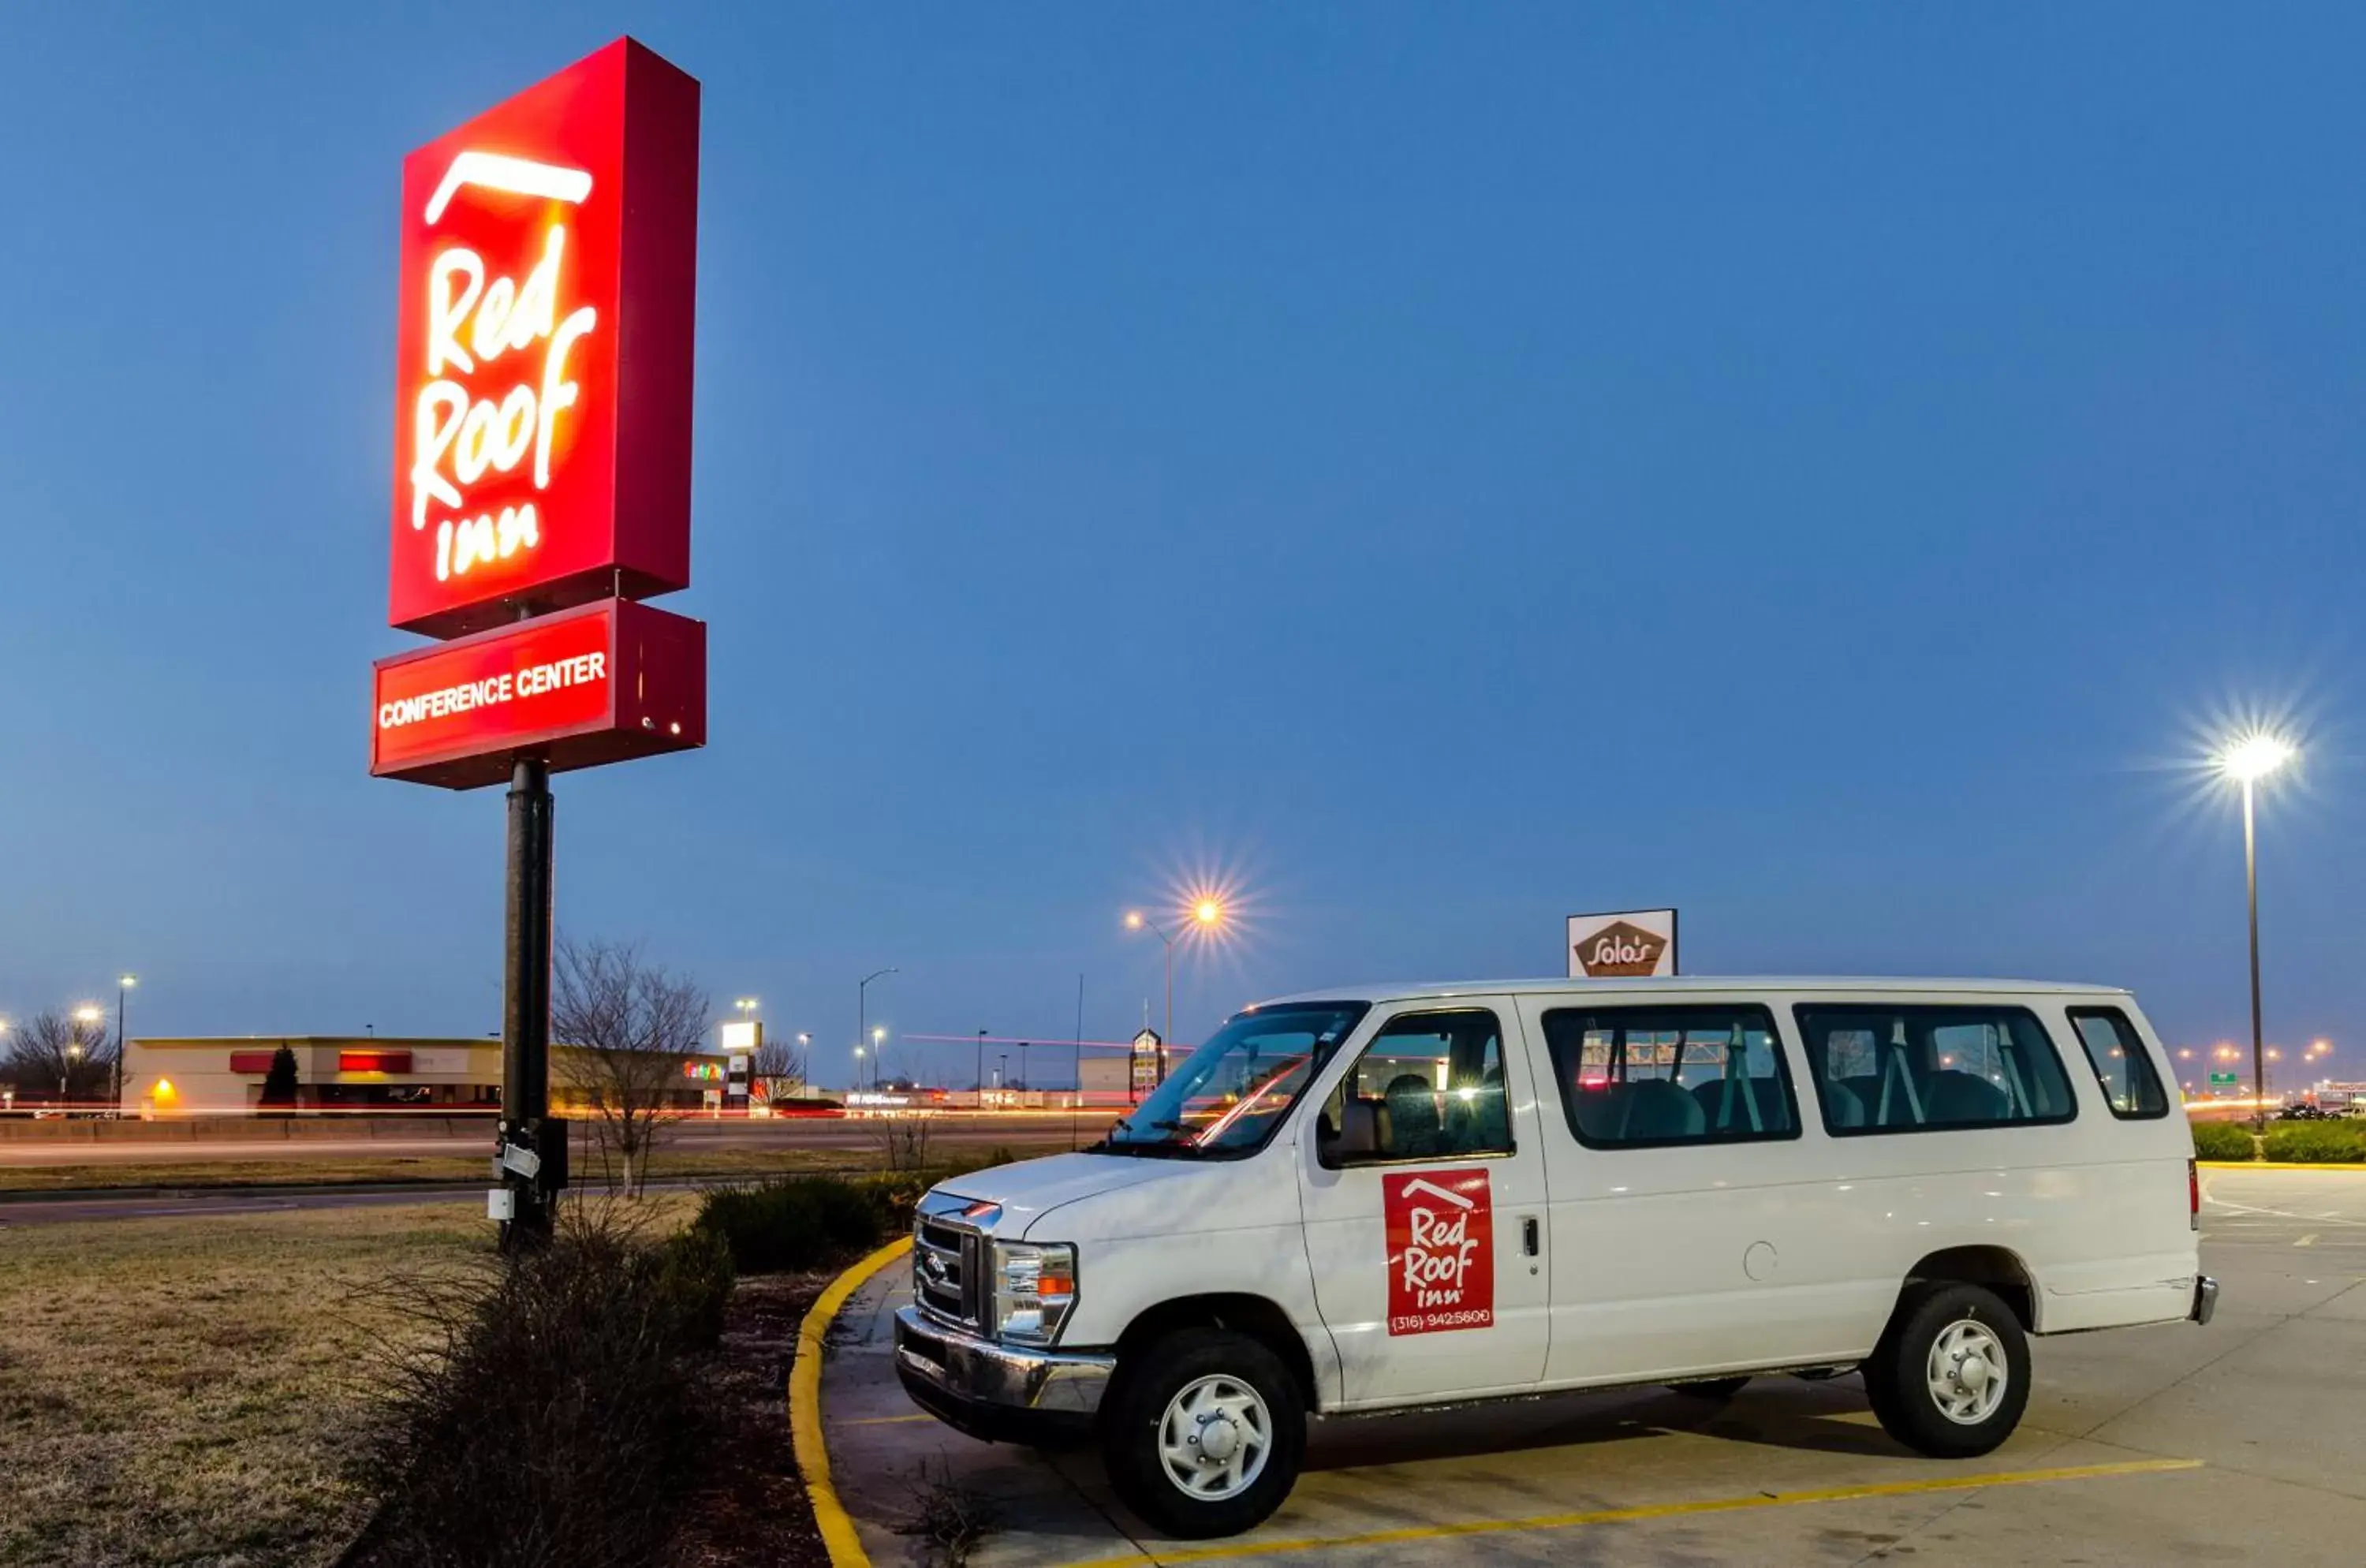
column 525, row 1010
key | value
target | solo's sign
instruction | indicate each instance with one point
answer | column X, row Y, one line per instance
column 594, row 685
column 1634, row 941
column 543, row 383
column 1441, row 1230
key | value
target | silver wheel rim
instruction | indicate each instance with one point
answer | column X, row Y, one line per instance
column 1214, row 1438
column 1967, row 1372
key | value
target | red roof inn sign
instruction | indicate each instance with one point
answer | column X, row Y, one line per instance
column 543, row 432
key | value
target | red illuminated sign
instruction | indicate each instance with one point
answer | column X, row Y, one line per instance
column 543, row 389
column 594, row 685
column 373, row 1061
column 251, row 1061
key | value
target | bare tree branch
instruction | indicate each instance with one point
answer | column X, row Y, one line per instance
column 51, row 1048
column 630, row 1023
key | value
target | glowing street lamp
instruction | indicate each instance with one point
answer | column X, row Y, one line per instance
column 2247, row 761
column 1207, row 916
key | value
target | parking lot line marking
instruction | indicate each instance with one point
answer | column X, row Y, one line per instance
column 838, row 1534
column 2308, row 1240
column 884, row 1420
column 1648, row 1511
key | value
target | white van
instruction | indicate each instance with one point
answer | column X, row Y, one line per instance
column 1397, row 1197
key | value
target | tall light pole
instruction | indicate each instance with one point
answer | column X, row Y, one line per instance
column 981, row 1069
column 878, row 1036
column 2248, row 761
column 862, row 1015
column 122, row 988
column 1206, row 915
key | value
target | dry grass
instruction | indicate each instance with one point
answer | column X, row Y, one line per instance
column 187, row 1392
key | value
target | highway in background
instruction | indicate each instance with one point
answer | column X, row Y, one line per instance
column 390, row 1138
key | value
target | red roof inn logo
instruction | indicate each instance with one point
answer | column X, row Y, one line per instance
column 543, row 359
column 1635, row 943
column 1441, row 1238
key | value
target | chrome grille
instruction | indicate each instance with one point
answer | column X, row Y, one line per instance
column 948, row 1274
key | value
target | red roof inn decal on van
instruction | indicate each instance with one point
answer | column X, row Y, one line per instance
column 1441, row 1250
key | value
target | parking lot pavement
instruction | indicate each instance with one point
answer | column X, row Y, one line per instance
column 2239, row 1442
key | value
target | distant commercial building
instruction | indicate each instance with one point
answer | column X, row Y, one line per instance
column 224, row 1074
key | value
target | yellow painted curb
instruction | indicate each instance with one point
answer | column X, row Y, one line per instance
column 2354, row 1166
column 838, row 1534
column 1651, row 1511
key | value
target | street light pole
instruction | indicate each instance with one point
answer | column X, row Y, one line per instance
column 862, row 1017
column 122, row 987
column 1207, row 914
column 981, row 1069
column 2248, row 761
column 2251, row 899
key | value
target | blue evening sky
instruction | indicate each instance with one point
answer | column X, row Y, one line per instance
column 1438, row 468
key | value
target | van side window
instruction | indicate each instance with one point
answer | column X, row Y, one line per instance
column 1430, row 1086
column 1914, row 1069
column 2122, row 1064
column 1649, row 1078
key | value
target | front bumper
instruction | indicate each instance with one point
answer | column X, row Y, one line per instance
column 999, row 1392
column 2205, row 1298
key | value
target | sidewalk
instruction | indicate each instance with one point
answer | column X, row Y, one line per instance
column 885, row 1456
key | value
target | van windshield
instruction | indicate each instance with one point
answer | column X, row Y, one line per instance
column 1229, row 1095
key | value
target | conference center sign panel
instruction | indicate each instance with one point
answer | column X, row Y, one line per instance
column 543, row 432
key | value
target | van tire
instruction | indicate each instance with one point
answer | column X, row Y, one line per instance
column 1222, row 1368
column 1944, row 1329
column 1717, row 1390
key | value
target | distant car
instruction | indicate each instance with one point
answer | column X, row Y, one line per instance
column 2302, row 1113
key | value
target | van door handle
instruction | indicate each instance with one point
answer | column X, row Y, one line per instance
column 1528, row 1235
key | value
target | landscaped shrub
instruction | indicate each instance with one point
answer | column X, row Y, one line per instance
column 2223, row 1140
column 692, row 1276
column 558, row 1414
column 2317, row 1143
column 797, row 1222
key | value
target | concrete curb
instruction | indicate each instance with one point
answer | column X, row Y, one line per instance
column 838, row 1533
column 2354, row 1169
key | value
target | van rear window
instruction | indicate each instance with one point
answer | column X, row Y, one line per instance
column 1652, row 1078
column 2122, row 1064
column 1931, row 1069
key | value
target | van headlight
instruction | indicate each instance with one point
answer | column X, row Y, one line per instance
column 1035, row 1287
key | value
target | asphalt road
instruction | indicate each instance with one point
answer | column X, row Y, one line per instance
column 952, row 1130
column 2241, row 1442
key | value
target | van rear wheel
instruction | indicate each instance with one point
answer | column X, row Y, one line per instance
column 1203, row 1432
column 1951, row 1375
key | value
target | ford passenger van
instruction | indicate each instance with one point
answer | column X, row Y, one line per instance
column 1399, row 1197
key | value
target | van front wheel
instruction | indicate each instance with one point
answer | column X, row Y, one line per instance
column 1204, row 1433
column 1951, row 1375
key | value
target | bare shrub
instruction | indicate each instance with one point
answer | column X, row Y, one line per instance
column 950, row 1518
column 631, row 1023
column 903, row 1144
column 556, row 1413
